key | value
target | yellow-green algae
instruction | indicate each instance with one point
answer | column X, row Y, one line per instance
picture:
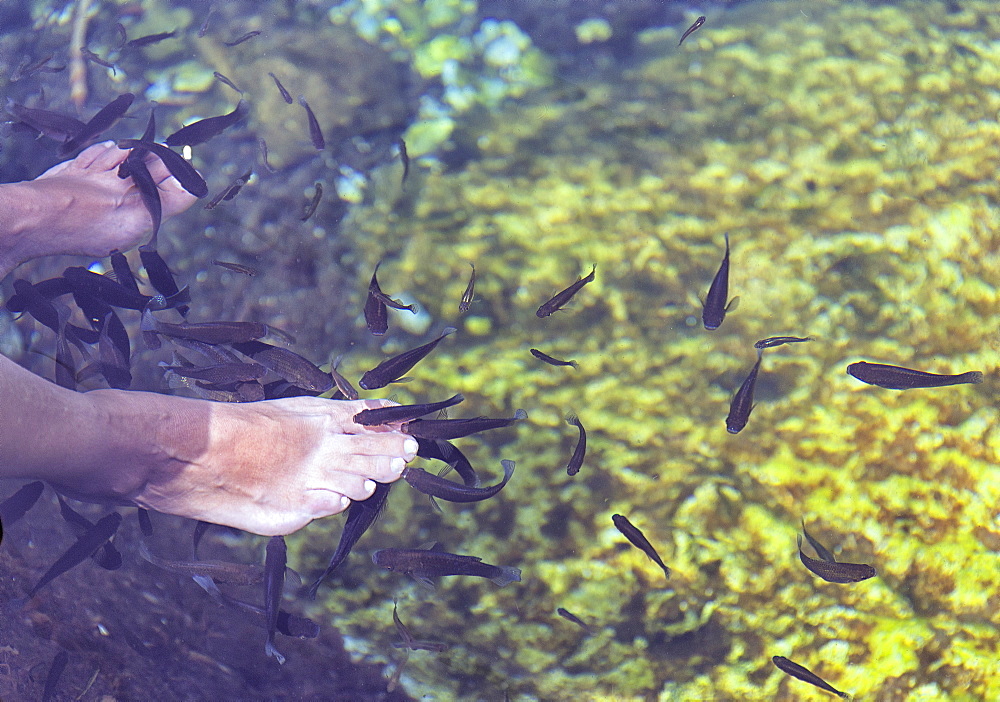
column 851, row 152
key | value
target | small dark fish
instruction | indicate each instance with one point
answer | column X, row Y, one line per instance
column 773, row 341
column 692, row 29
column 360, row 516
column 206, row 332
column 562, row 298
column 410, row 642
column 47, row 312
column 204, row 129
column 54, row 125
column 99, row 123
column 342, row 383
column 94, row 58
column 179, row 167
column 26, row 69
column 442, row 488
column 145, row 523
column 394, row 304
column 715, row 307
column 47, row 289
column 246, row 37
column 135, row 162
column 55, row 672
column 274, row 582
column 222, row 79
column 424, row 564
column 445, row 452
column 107, row 557
column 576, row 461
column 287, row 625
column 222, row 374
column 18, row 504
column 470, row 292
column 638, row 540
column 115, row 354
column 805, row 675
column 403, row 413
column 285, row 95
column 834, row 572
column 123, row 272
column 447, row 429
column 230, row 191
column 159, row 274
column 219, row 571
column 263, row 155
column 742, row 403
column 315, row 133
column 289, row 365
column 899, row 378
column 236, row 267
column 115, row 294
column 84, row 546
column 405, row 158
column 375, row 291
column 550, row 360
column 376, row 314
column 150, row 39
column 820, row 549
column 392, row 369
column 313, row 202
column 570, row 617
column 203, row 30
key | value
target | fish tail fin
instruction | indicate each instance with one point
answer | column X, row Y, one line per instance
column 974, row 377
column 313, row 589
column 270, row 650
column 206, row 583
column 521, row 414
column 508, row 469
column 448, row 330
column 508, row 575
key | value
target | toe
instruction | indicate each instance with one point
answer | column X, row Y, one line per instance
column 101, row 157
column 390, row 444
column 323, row 503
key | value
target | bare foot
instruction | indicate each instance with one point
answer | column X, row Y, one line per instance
column 81, row 207
column 266, row 467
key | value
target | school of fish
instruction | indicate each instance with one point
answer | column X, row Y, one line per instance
column 233, row 364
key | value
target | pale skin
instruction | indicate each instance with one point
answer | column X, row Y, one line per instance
column 265, row 467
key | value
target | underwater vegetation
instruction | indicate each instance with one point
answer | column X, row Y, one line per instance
column 849, row 151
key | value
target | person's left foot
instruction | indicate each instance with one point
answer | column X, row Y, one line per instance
column 82, row 207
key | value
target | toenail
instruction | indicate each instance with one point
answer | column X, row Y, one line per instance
column 410, row 447
column 397, row 465
column 345, row 501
